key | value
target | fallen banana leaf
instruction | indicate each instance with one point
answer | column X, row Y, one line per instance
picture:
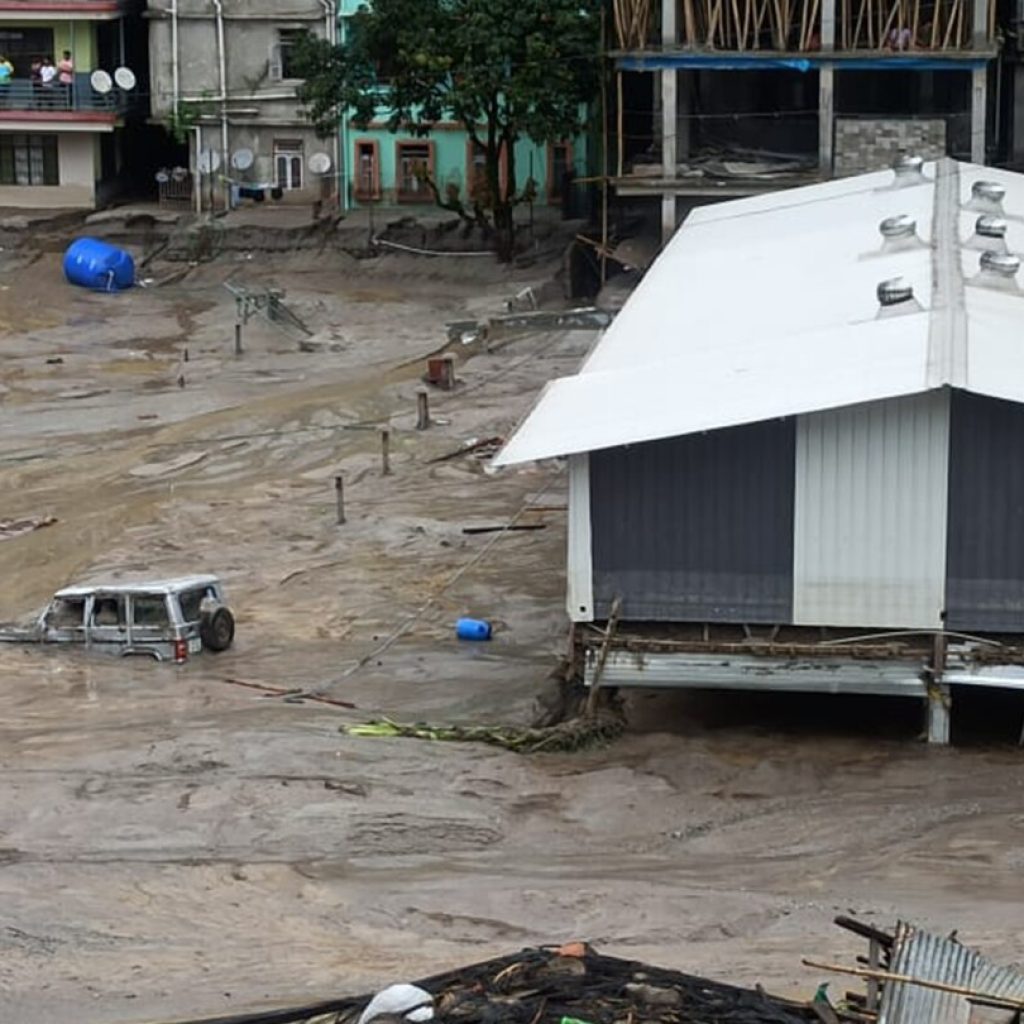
column 573, row 734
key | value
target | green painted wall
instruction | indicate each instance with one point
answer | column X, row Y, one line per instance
column 450, row 160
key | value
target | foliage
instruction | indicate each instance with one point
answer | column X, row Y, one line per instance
column 185, row 117
column 503, row 69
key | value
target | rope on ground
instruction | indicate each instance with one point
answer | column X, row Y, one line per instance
column 430, row 252
column 412, row 619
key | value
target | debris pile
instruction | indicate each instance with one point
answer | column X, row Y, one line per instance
column 577, row 733
column 569, row 985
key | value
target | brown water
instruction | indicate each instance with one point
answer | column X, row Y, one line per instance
column 172, row 844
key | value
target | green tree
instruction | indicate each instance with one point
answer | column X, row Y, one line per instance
column 504, row 69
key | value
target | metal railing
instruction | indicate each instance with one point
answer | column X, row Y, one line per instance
column 78, row 96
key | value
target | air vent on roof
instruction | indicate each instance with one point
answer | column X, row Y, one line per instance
column 999, row 270
column 899, row 233
column 909, row 170
column 901, row 226
column 987, row 197
column 896, row 295
column 989, row 234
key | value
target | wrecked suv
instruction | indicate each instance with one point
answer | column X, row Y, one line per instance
column 165, row 619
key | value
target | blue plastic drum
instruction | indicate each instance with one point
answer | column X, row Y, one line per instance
column 91, row 263
column 473, row 629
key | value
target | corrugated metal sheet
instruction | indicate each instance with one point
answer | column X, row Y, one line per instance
column 930, row 957
column 919, row 954
column 754, row 672
column 985, row 553
column 870, row 514
column 766, row 307
column 696, row 528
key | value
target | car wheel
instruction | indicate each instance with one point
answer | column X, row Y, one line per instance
column 217, row 629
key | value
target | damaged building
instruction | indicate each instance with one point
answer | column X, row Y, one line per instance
column 717, row 100
column 795, row 457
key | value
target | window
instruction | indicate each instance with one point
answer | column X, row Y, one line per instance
column 108, row 611
column 149, row 610
column 560, row 167
column 415, row 162
column 191, row 602
column 367, row 170
column 288, row 163
column 66, row 613
column 286, row 40
column 28, row 160
column 22, row 45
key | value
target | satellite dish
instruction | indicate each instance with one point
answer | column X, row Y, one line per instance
column 242, row 159
column 209, row 161
column 125, row 78
column 320, row 163
column 101, row 81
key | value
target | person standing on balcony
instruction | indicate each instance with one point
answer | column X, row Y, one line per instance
column 6, row 71
column 47, row 76
column 66, row 77
column 35, row 81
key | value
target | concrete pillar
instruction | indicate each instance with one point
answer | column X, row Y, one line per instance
column 1017, row 140
column 979, row 24
column 979, row 111
column 669, row 121
column 826, row 119
column 826, row 90
column 939, row 705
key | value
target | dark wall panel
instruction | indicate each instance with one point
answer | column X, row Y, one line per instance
column 985, row 546
column 696, row 529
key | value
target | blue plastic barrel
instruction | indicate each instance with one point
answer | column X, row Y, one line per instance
column 94, row 264
column 473, row 629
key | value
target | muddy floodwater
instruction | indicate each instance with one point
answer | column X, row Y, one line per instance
column 174, row 844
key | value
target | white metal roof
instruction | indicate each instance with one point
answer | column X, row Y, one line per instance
column 140, row 586
column 767, row 307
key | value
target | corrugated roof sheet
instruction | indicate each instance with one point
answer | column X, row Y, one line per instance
column 767, row 307
column 930, row 957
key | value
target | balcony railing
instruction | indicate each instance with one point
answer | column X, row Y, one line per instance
column 894, row 26
column 23, row 94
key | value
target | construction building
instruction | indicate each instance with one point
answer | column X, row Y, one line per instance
column 725, row 98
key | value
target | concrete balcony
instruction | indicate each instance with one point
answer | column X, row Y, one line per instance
column 24, row 103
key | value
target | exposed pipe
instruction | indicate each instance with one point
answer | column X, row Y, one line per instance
column 175, row 79
column 197, row 178
column 218, row 8
column 331, row 26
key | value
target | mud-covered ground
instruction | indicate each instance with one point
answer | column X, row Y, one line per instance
column 173, row 844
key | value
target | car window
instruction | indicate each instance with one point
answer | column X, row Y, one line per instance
column 190, row 601
column 149, row 610
column 66, row 613
column 108, row 611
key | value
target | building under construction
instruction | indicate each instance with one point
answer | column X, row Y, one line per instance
column 726, row 98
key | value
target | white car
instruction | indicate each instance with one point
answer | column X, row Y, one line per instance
column 165, row 619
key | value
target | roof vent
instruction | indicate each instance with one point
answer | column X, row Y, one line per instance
column 896, row 295
column 899, row 233
column 901, row 226
column 999, row 270
column 909, row 170
column 989, row 234
column 987, row 197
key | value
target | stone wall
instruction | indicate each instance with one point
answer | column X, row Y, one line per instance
column 871, row 144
